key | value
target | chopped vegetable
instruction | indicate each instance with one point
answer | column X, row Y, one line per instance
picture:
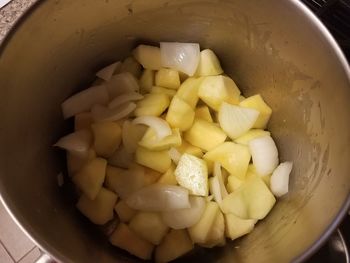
column 209, row 64
column 148, row 56
column 167, row 78
column 158, row 125
column 280, row 179
column 107, row 72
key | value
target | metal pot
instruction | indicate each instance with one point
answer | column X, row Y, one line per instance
column 276, row 48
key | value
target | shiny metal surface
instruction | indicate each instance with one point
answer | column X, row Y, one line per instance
column 276, row 48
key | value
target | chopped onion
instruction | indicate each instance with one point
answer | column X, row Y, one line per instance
column 132, row 96
column 264, row 154
column 236, row 120
column 187, row 217
column 102, row 113
column 217, row 173
column 280, row 179
column 160, row 126
column 121, row 158
column 77, row 143
column 131, row 135
column 121, row 83
column 84, row 100
column 214, row 186
column 107, row 72
column 183, row 57
column 159, row 197
column 175, row 155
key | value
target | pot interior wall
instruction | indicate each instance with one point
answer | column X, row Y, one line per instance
column 268, row 47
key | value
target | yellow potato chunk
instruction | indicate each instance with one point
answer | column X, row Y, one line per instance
column 180, row 114
column 233, row 157
column 188, row 91
column 151, row 176
column 91, row 177
column 151, row 142
column 153, row 104
column 124, row 238
column 132, row 66
column 107, row 137
column 148, row 56
column 146, row 81
column 100, row 210
column 149, row 226
column 186, row 147
column 76, row 162
column 209, row 64
column 124, row 212
column 174, row 245
column 168, row 177
column 168, row 78
column 233, row 183
column 192, row 173
column 156, row 160
column 200, row 231
column 203, row 113
column 131, row 135
column 251, row 135
column 216, row 236
column 236, row 227
column 82, row 121
column 256, row 102
column 214, row 90
column 170, row 92
column 205, row 135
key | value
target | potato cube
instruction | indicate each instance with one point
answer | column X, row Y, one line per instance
column 233, row 183
column 156, row 160
column 153, row 104
column 209, row 64
column 180, row 114
column 256, row 102
column 192, row 173
column 168, row 177
column 146, row 81
column 149, row 226
column 199, row 232
column 126, row 239
column 214, row 90
column 121, row 158
column 91, row 177
column 235, row 203
column 233, row 157
column 174, row 245
column 170, row 92
column 124, row 212
column 188, row 91
column 76, row 162
column 148, row 56
column 185, row 147
column 205, row 135
column 216, row 236
column 203, row 113
column 150, row 140
column 107, row 137
column 132, row 66
column 99, row 210
column 236, row 227
column 82, row 121
column 131, row 135
column 168, row 78
column 251, row 135
column 151, row 176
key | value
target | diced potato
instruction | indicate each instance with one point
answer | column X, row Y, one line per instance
column 124, row 212
column 183, row 76
column 205, row 135
column 107, row 137
column 233, row 183
column 203, row 113
column 251, row 135
column 99, row 210
column 76, row 162
column 256, row 102
column 151, row 176
column 153, row 104
column 125, row 182
column 91, row 177
column 199, row 232
column 151, row 142
column 209, row 64
column 235, row 203
column 214, row 90
column 233, row 157
column 146, row 81
column 170, row 92
column 252, row 172
column 156, row 160
column 185, row 147
column 180, row 114
column 241, row 98
column 168, row 177
column 82, row 121
column 149, row 226
column 237, row 227
column 121, row 158
column 131, row 135
column 126, row 239
column 148, row 56
column 188, row 91
column 131, row 65
column 167, row 78
column 174, row 245
column 216, row 236
column 192, row 173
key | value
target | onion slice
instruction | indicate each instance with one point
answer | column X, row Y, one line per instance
column 280, row 179
column 84, row 100
column 107, row 72
column 121, row 83
column 218, row 173
column 264, row 154
column 77, row 143
column 187, row 217
column 183, row 57
column 175, row 155
column 160, row 126
column 214, row 186
column 132, row 96
column 101, row 113
column 158, row 197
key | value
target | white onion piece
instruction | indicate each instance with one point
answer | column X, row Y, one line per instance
column 84, row 100
column 107, row 72
column 264, row 154
column 214, row 186
column 121, row 158
column 280, row 179
column 217, row 173
column 175, row 155
column 160, row 126
column 131, row 135
column 77, row 143
column 183, row 57
column 159, row 197
column 183, row 218
column 102, row 113
column 121, row 83
column 132, row 96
